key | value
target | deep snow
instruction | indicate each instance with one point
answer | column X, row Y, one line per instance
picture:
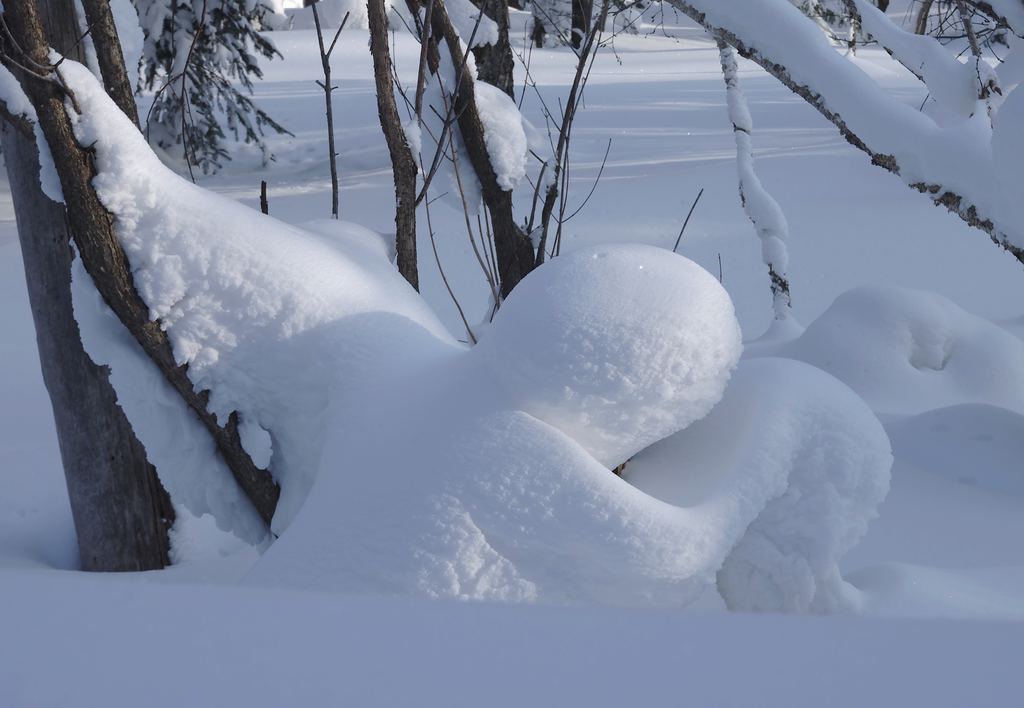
column 941, row 379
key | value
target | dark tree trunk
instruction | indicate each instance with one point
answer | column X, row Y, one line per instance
column 402, row 162
column 513, row 248
column 494, row 62
column 100, row 21
column 92, row 231
column 120, row 511
column 582, row 16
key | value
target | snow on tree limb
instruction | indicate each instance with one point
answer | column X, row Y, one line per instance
column 762, row 209
column 952, row 165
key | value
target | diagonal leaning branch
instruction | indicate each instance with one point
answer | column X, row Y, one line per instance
column 513, row 248
column 822, row 95
column 92, row 229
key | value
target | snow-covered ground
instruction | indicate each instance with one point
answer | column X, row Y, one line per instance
column 938, row 578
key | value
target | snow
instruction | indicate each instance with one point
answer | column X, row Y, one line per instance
column 243, row 298
column 17, row 104
column 405, row 426
column 951, row 83
column 546, row 521
column 112, row 641
column 1007, row 153
column 764, row 212
column 954, row 157
column 504, row 134
column 616, row 346
column 790, row 467
column 471, row 23
column 907, row 351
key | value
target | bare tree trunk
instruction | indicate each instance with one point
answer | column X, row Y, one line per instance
column 494, row 63
column 100, row 20
column 582, row 16
column 120, row 510
column 93, row 233
column 921, row 24
column 403, row 163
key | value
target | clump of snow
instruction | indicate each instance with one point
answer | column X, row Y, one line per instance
column 907, row 351
column 455, row 167
column 471, row 23
column 504, row 134
column 615, row 373
column 332, row 12
column 790, row 467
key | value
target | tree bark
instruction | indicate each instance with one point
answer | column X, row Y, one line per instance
column 403, row 164
column 120, row 511
column 103, row 31
column 92, row 230
column 494, row 62
column 513, row 248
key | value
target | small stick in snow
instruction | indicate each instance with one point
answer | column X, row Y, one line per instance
column 687, row 219
column 264, row 204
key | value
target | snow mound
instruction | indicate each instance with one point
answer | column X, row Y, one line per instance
column 616, row 346
column 789, row 469
column 469, row 473
column 908, row 351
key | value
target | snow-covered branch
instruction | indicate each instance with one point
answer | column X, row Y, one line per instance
column 952, row 164
column 762, row 209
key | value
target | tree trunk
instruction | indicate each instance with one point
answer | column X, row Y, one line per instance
column 92, row 230
column 921, row 23
column 513, row 248
column 494, row 62
column 582, row 16
column 402, row 162
column 100, row 21
column 121, row 512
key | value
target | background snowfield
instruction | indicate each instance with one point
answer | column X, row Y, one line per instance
column 939, row 575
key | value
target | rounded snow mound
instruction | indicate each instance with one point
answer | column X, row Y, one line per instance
column 787, row 470
column 908, row 351
column 616, row 346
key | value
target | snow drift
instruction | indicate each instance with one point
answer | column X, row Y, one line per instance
column 423, row 467
column 909, row 351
